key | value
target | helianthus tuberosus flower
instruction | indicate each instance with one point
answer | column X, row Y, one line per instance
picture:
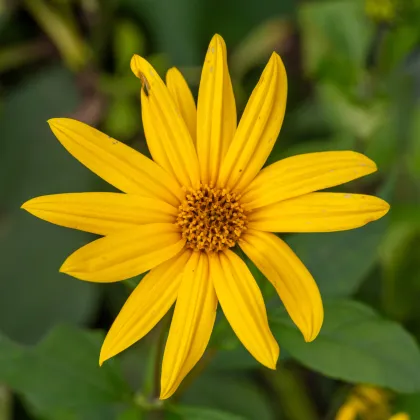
column 180, row 214
column 381, row 10
column 368, row 403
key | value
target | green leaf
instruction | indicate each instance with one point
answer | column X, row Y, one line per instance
column 184, row 412
column 34, row 163
column 336, row 36
column 413, row 155
column 348, row 117
column 397, row 45
column 122, row 121
column 340, row 261
column 355, row 345
column 61, row 375
column 128, row 40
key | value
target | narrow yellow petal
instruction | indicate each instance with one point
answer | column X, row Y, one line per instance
column 293, row 282
column 126, row 254
column 318, row 212
column 243, row 306
column 100, row 213
column 216, row 111
column 166, row 133
column 118, row 164
column 258, row 129
column 148, row 303
column 302, row 174
column 184, row 100
column 192, row 324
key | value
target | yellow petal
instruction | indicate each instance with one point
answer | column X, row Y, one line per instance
column 126, row 254
column 118, row 164
column 166, row 133
column 184, row 100
column 216, row 112
column 192, row 324
column 148, row 303
column 293, row 282
column 347, row 412
column 258, row 129
column 302, row 174
column 243, row 306
column 100, row 213
column 318, row 212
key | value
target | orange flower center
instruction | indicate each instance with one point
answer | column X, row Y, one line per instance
column 211, row 219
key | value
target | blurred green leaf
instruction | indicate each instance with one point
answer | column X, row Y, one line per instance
column 234, row 393
column 413, row 155
column 406, row 213
column 61, row 375
column 356, row 345
column 184, row 412
column 401, row 254
column 259, row 44
column 335, row 37
column 33, row 295
column 128, row 40
column 62, row 31
column 340, row 261
column 167, row 21
column 123, row 118
column 398, row 42
column 235, row 20
column 345, row 116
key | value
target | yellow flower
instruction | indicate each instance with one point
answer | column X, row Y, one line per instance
column 368, row 403
column 381, row 10
column 204, row 192
column 400, row 416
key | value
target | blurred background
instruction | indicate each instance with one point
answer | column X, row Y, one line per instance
column 354, row 84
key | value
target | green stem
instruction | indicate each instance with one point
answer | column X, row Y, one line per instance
column 292, row 395
column 61, row 31
column 21, row 54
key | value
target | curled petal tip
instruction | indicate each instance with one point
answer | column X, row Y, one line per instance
column 135, row 65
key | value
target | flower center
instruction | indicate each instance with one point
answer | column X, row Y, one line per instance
column 211, row 219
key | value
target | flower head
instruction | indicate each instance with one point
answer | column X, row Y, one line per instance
column 368, row 403
column 381, row 10
column 180, row 214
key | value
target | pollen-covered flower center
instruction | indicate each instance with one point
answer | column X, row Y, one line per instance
column 211, row 219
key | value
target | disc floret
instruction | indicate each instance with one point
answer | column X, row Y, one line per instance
column 212, row 219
